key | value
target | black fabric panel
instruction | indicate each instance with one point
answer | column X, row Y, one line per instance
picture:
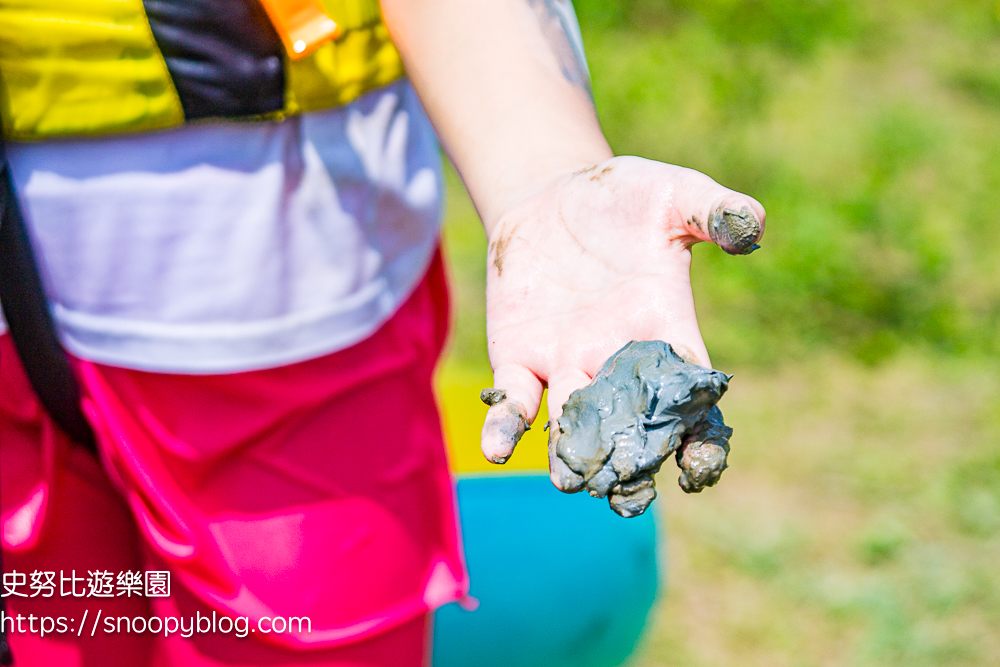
column 6, row 657
column 30, row 322
column 224, row 56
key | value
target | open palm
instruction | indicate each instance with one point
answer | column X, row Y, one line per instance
column 599, row 258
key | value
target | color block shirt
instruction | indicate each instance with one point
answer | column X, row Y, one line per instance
column 226, row 246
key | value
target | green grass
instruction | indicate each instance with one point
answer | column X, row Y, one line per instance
column 871, row 133
column 859, row 523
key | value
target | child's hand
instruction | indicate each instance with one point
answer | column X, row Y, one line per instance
column 594, row 260
column 599, row 258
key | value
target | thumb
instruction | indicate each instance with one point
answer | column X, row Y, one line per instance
column 513, row 400
column 713, row 213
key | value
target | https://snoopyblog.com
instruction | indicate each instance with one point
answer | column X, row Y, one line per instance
column 104, row 584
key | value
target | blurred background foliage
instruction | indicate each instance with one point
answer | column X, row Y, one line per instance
column 859, row 522
column 870, row 132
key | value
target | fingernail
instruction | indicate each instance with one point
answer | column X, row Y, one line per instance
column 736, row 232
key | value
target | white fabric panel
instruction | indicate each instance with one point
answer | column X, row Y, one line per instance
column 227, row 246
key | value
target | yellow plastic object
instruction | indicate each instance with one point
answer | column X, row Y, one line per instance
column 78, row 67
column 463, row 413
column 302, row 25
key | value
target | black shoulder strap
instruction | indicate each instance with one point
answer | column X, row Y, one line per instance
column 30, row 322
column 6, row 657
column 34, row 334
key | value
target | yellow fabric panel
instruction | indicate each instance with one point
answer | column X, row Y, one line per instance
column 71, row 67
column 462, row 414
column 360, row 60
column 351, row 14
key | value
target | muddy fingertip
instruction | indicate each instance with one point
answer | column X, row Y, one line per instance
column 506, row 421
column 562, row 477
column 736, row 231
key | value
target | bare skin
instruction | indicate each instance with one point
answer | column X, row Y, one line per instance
column 596, row 260
column 587, row 251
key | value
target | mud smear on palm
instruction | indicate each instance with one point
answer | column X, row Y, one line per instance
column 644, row 405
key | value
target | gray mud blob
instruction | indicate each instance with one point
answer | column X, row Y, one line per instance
column 645, row 404
column 491, row 396
column 736, row 232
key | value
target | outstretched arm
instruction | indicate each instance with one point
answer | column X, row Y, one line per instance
column 506, row 88
column 586, row 251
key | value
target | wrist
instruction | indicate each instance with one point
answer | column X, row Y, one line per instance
column 494, row 194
